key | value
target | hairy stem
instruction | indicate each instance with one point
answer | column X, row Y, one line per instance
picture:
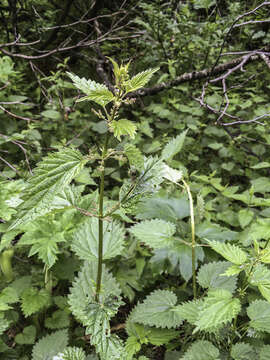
column 193, row 240
column 100, row 218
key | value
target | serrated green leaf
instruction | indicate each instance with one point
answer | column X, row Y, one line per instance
column 230, row 252
column 157, row 310
column 27, row 337
column 70, row 353
column 123, row 127
column 58, row 320
column 85, row 239
column 201, row 350
column 210, row 276
column 245, row 216
column 154, row 233
column 259, row 314
column 264, row 353
column 132, row 346
column 261, row 277
column 83, row 290
column 50, row 345
column 34, row 300
column 4, row 324
column 217, row 309
column 174, row 146
column 50, row 177
column 134, row 156
column 242, row 351
column 189, row 310
column 171, row 174
column 96, row 92
column 139, row 80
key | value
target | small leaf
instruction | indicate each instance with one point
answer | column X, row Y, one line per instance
column 154, row 233
column 34, row 300
column 261, row 277
column 157, row 310
column 96, row 92
column 172, row 174
column 245, row 216
column 173, row 147
column 85, row 239
column 259, row 314
column 123, row 127
column 58, row 320
column 139, row 80
column 27, row 337
column 201, row 350
column 230, row 252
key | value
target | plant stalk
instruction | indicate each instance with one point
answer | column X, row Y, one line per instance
column 193, row 240
column 100, row 219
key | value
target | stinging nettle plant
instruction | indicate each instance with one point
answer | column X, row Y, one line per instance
column 211, row 316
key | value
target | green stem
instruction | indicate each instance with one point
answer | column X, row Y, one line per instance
column 193, row 240
column 100, row 219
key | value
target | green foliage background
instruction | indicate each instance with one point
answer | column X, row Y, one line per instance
column 226, row 168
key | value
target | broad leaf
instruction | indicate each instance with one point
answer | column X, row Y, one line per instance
column 71, row 353
column 259, row 314
column 27, row 336
column 189, row 311
column 50, row 345
column 201, row 350
column 157, row 310
column 52, row 174
column 245, row 216
column 85, row 239
column 96, row 92
column 139, row 80
column 33, row 300
column 83, row 290
column 173, row 147
column 154, row 233
column 264, row 353
column 242, row 351
column 171, row 174
column 261, row 277
column 123, row 127
column 230, row 252
column 211, row 276
column 217, row 309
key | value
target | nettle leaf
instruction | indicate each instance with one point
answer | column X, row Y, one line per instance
column 134, row 156
column 218, row 308
column 173, row 147
column 242, row 351
column 259, row 314
column 154, row 233
column 58, row 320
column 50, row 345
column 27, row 336
column 85, row 239
column 123, row 127
column 50, row 177
column 245, row 216
column 201, row 350
column 139, row 80
column 261, row 277
column 211, row 276
column 264, row 353
column 83, row 290
column 4, row 324
column 230, row 252
column 96, row 92
column 157, row 310
column 71, row 353
column 172, row 174
column 189, row 310
column 34, row 300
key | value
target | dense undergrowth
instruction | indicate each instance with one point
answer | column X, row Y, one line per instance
column 134, row 224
